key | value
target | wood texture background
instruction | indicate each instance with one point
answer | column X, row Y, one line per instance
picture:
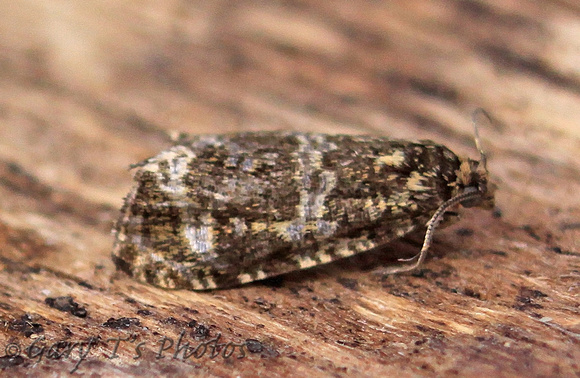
column 87, row 88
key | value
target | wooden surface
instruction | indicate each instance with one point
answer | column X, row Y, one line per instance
column 87, row 88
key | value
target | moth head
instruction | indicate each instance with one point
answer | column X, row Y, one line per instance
column 472, row 175
column 472, row 189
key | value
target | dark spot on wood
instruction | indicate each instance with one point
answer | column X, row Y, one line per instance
column 121, row 323
column 352, row 344
column 86, row 284
column 445, row 273
column 419, row 273
column 254, row 346
column 570, row 226
column 559, row 251
column 200, row 332
column 66, row 304
column 428, row 330
column 434, row 89
column 471, row 293
column 264, row 305
column 533, row 293
column 295, row 291
column 464, row 232
column 515, row 333
column 10, row 361
column 261, row 302
column 335, row 301
column 530, row 231
column 397, row 292
column 348, row 283
column 171, row 320
column 25, row 325
column 527, row 299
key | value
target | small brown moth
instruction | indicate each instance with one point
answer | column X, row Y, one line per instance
column 217, row 211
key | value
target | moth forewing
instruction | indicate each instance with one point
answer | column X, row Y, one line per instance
column 222, row 210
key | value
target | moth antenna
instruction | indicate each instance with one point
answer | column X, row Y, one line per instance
column 476, row 120
column 431, row 225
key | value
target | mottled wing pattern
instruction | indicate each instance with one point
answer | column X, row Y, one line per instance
column 217, row 211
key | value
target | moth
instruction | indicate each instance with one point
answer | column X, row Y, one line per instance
column 217, row 211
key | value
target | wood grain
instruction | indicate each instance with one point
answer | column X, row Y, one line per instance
column 88, row 88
